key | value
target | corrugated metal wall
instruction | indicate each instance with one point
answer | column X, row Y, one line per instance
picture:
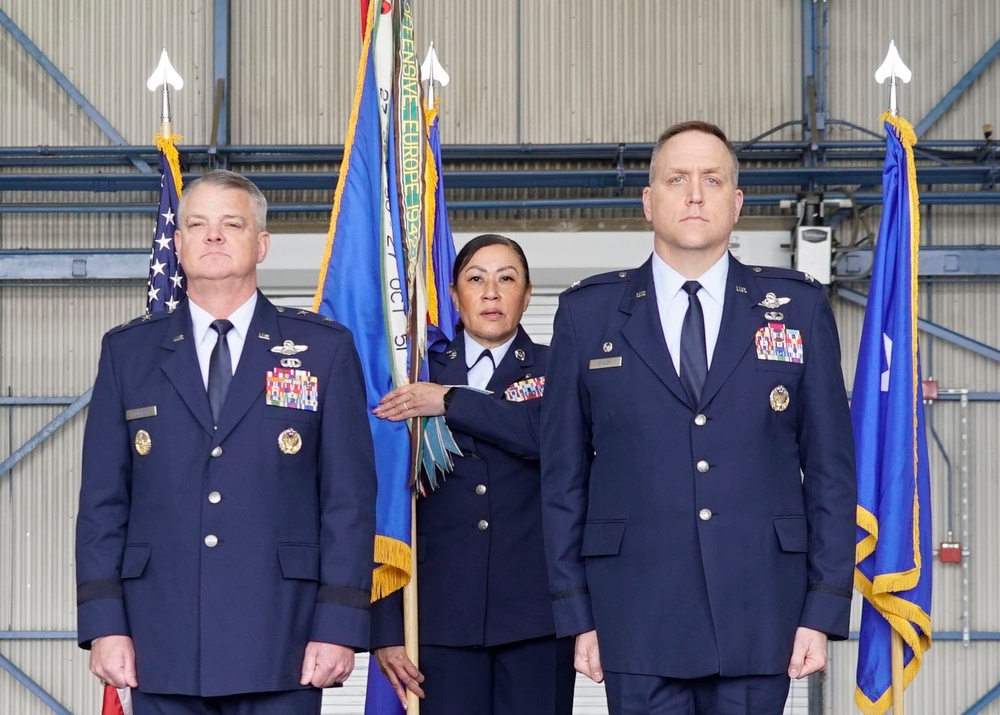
column 522, row 71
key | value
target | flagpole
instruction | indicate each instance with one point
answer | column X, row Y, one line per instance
column 410, row 629
column 897, row 673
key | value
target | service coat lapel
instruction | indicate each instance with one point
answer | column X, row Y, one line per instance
column 452, row 369
column 250, row 378
column 741, row 318
column 644, row 331
column 180, row 365
column 512, row 368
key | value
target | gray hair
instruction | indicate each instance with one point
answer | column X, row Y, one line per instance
column 230, row 180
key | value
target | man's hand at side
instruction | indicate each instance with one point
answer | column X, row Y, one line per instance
column 112, row 659
column 326, row 664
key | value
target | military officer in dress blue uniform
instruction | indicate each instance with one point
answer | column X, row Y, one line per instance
column 227, row 509
column 698, row 481
column 487, row 643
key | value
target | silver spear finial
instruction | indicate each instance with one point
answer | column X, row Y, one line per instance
column 893, row 69
column 165, row 76
column 431, row 71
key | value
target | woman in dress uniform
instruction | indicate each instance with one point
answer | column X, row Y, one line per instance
column 487, row 643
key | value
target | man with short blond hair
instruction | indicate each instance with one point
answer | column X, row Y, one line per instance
column 698, row 485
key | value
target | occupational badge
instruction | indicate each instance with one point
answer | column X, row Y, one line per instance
column 771, row 301
column 776, row 342
column 774, row 316
column 143, row 442
column 779, row 398
column 290, row 441
column 452, row 354
column 524, row 390
column 291, row 362
column 607, row 347
column 289, row 348
column 519, row 354
column 287, row 387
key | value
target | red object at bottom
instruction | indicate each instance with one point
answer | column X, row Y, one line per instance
column 112, row 703
column 950, row 552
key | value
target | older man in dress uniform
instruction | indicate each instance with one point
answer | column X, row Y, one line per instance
column 226, row 527
column 698, row 477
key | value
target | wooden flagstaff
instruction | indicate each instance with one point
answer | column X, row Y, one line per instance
column 897, row 673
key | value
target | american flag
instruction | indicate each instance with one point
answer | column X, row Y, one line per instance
column 166, row 278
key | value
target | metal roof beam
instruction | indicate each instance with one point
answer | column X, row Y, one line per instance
column 63, row 81
column 958, row 90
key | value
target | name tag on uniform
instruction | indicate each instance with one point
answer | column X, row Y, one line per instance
column 140, row 412
column 601, row 363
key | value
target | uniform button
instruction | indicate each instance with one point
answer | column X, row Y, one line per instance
column 483, row 525
column 705, row 514
column 217, row 452
column 480, row 489
column 702, row 466
column 700, row 420
column 211, row 541
column 214, row 497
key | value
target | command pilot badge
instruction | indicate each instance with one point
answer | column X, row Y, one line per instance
column 779, row 398
column 290, row 441
column 771, row 301
column 143, row 442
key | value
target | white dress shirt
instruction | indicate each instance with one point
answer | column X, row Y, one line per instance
column 205, row 336
column 480, row 371
column 672, row 303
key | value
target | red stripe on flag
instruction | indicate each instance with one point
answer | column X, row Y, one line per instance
column 112, row 703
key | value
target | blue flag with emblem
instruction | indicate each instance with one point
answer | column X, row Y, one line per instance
column 893, row 560
column 166, row 277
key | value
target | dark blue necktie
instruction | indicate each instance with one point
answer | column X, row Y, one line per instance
column 220, row 369
column 694, row 358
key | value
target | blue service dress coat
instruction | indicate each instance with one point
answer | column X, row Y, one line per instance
column 220, row 551
column 481, row 565
column 696, row 538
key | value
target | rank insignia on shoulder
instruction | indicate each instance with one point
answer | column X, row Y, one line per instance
column 524, row 390
column 776, row 342
column 296, row 389
column 771, row 301
column 289, row 348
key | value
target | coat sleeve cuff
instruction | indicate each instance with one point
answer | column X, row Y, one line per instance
column 101, row 617
column 828, row 611
column 572, row 613
column 341, row 625
column 387, row 621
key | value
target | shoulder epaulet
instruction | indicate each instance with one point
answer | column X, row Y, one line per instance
column 144, row 319
column 601, row 279
column 308, row 316
column 785, row 273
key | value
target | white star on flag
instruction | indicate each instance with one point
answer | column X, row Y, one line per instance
column 157, row 268
column 154, row 293
column 168, row 216
column 163, row 242
column 887, row 345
